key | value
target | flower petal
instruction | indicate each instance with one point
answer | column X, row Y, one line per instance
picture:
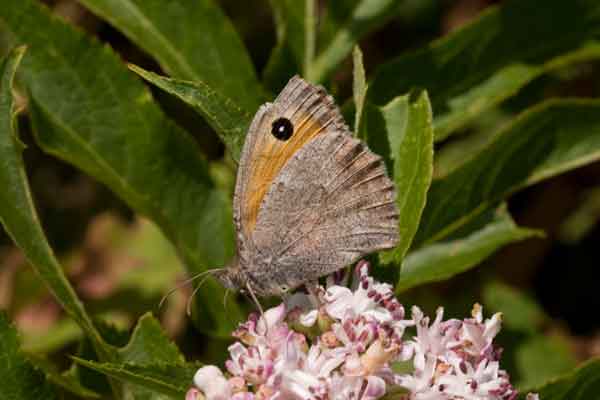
column 212, row 383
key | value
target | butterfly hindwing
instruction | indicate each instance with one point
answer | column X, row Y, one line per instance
column 331, row 204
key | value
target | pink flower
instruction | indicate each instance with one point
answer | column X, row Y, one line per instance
column 243, row 396
column 337, row 343
column 254, row 364
column 194, row 394
column 456, row 359
column 476, row 336
column 370, row 299
column 349, row 387
column 482, row 381
column 269, row 327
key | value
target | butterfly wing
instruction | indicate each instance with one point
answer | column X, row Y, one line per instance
column 331, row 204
column 309, row 109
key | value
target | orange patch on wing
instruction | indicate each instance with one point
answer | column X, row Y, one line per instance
column 269, row 157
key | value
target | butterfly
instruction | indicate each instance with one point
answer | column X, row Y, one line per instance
column 309, row 198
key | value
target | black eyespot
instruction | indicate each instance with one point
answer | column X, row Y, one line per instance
column 282, row 129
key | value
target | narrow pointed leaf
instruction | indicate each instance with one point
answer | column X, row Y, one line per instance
column 333, row 17
column 149, row 344
column 544, row 141
column 503, row 84
column 224, row 115
column 367, row 16
column 310, row 36
column 441, row 261
column 66, row 382
column 290, row 20
column 461, row 149
column 489, row 59
column 148, row 364
column 104, row 121
column 359, row 87
column 288, row 54
column 20, row 379
column 406, row 123
column 18, row 213
column 170, row 379
column 192, row 40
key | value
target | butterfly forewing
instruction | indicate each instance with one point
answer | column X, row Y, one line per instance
column 310, row 112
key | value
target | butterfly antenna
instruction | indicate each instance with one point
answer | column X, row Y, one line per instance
column 188, row 306
column 185, row 283
column 255, row 300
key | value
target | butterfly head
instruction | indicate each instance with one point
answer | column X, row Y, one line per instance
column 232, row 278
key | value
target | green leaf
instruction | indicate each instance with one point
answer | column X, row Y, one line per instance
column 367, row 16
column 287, row 56
column 20, row 380
column 544, row 141
column 289, row 16
column 172, row 380
column 406, row 121
column 149, row 345
column 441, row 261
column 90, row 379
column 223, row 114
column 109, row 126
column 18, row 214
column 192, row 40
column 359, row 86
column 541, row 358
column 310, row 36
column 503, row 84
column 149, row 361
column 66, row 382
column 519, row 311
column 489, row 59
column 461, row 149
column 581, row 384
column 333, row 17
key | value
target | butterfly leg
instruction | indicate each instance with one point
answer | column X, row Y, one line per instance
column 313, row 289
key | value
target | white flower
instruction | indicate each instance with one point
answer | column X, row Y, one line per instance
column 212, row 383
column 371, row 300
column 422, row 380
column 255, row 364
column 477, row 336
column 337, row 343
column 350, row 387
column 484, row 381
column 456, row 359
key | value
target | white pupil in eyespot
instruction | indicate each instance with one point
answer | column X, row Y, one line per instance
column 282, row 129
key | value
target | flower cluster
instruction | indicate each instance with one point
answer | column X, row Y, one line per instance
column 338, row 343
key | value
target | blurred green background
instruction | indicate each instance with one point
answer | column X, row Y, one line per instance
column 121, row 265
